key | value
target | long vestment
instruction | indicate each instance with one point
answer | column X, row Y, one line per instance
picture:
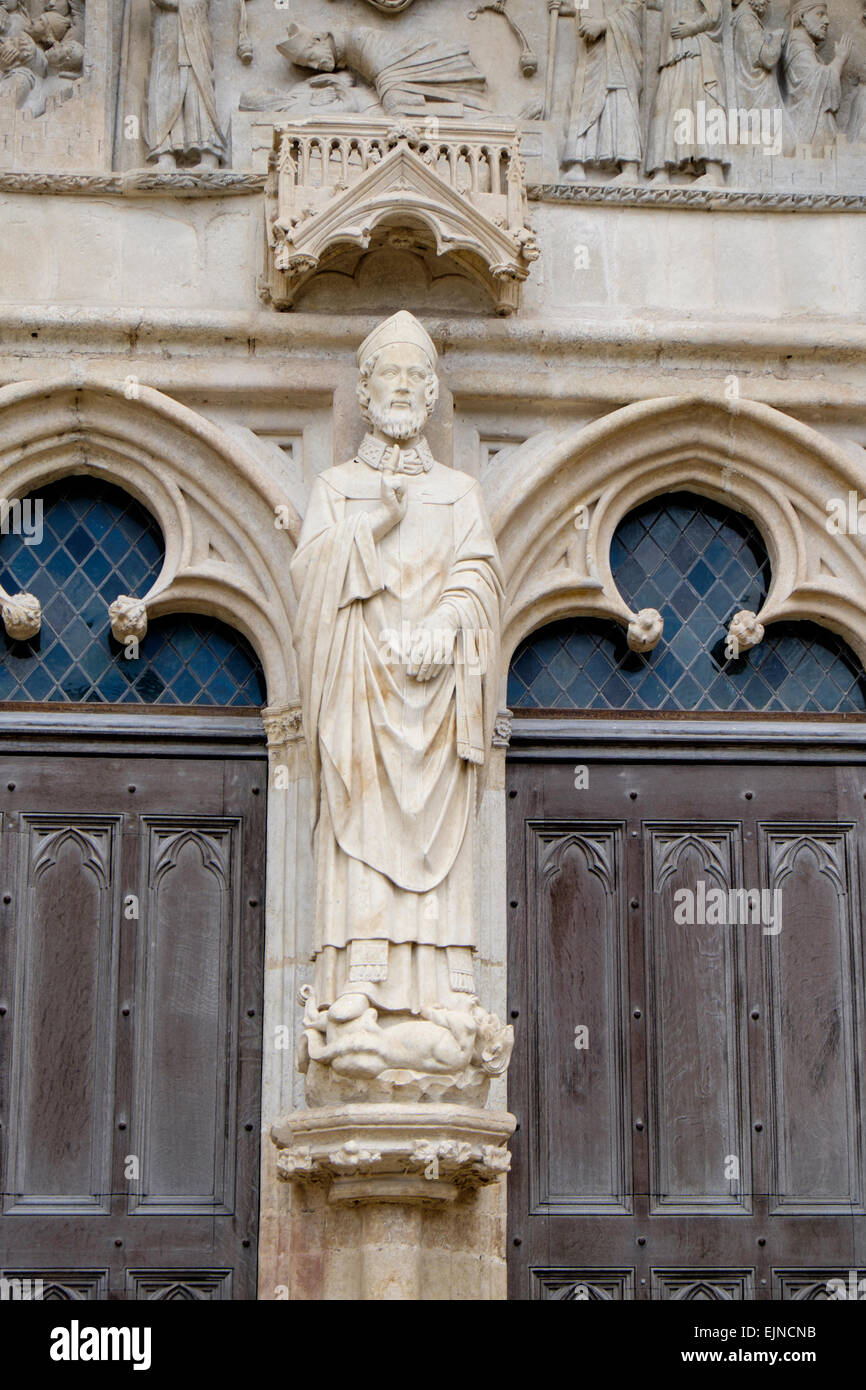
column 757, row 86
column 690, row 70
column 395, row 760
column 407, row 75
column 814, row 90
column 181, row 111
column 605, row 124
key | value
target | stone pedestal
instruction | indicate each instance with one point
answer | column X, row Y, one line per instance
column 394, row 1153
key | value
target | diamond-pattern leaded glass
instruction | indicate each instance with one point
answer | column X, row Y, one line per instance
column 698, row 563
column 97, row 542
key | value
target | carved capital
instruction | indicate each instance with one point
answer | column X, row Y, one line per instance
column 502, row 729
column 393, row 1152
column 283, row 725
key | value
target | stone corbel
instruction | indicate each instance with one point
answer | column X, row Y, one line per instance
column 22, row 615
column 394, row 1152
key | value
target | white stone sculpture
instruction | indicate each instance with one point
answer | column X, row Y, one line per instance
column 644, row 632
column 756, row 52
column 410, row 77
column 691, row 80
column 744, row 632
column 128, row 618
column 21, row 614
column 22, row 61
column 399, row 592
column 182, row 121
column 814, row 88
column 335, row 184
column 604, row 127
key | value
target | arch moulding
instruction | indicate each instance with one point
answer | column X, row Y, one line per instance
column 229, row 531
column 556, row 501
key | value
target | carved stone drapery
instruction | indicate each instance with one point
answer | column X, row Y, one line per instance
column 335, row 184
column 398, row 585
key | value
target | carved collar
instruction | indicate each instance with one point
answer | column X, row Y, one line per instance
column 378, row 454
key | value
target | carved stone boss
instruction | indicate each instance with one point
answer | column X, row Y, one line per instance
column 399, row 591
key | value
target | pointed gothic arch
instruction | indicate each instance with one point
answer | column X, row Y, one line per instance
column 556, row 501
column 229, row 530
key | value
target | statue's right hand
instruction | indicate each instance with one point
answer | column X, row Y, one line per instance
column 392, row 508
column 392, row 491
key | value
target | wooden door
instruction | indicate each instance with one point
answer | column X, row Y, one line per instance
column 703, row 1137
column 131, row 957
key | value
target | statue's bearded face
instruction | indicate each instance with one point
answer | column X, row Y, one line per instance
column 397, row 390
column 816, row 22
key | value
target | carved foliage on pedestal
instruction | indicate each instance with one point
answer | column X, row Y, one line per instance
column 406, row 1153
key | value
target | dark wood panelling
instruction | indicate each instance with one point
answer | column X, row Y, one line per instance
column 814, row 983
column 582, row 1157
column 131, row 1039
column 186, row 1001
column 698, row 1096
column 61, row 1034
column 736, row 1042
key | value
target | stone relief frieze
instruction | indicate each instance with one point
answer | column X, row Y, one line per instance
column 54, row 86
column 753, row 96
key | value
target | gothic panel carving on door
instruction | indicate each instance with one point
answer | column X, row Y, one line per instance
column 685, row 971
column 130, row 1029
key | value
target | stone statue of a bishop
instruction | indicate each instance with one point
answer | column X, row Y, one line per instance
column 399, row 590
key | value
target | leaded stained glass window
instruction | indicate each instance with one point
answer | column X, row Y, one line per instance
column 698, row 563
column 97, row 542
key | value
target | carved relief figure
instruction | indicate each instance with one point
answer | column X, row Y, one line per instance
column 22, row 61
column 405, row 75
column 757, row 51
column 756, row 54
column 814, row 88
column 59, row 31
column 605, row 126
column 399, row 591
column 691, row 79
column 182, row 121
column 857, row 114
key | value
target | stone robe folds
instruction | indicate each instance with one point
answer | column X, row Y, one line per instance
column 690, row 71
column 756, row 57
column 405, row 76
column 814, row 90
column 605, row 124
column 181, row 111
column 395, row 760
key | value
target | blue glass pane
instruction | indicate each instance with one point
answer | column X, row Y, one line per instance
column 97, row 543
column 699, row 563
